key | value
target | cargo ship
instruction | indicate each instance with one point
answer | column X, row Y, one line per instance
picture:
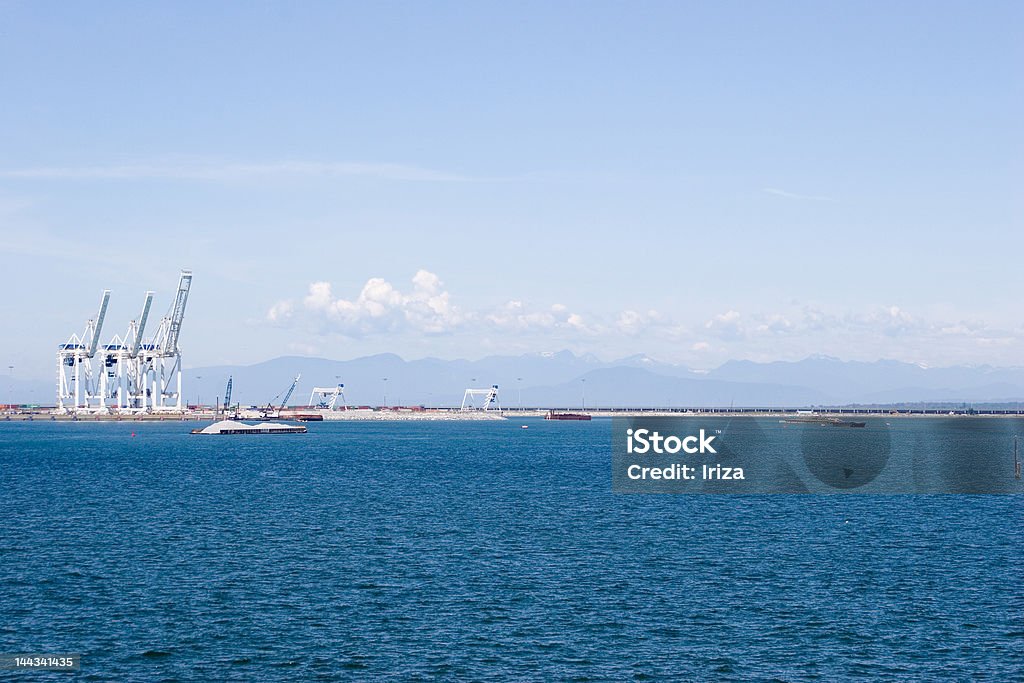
column 552, row 415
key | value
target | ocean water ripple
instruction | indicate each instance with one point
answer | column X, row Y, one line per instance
column 412, row 551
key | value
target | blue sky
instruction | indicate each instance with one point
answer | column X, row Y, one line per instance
column 694, row 181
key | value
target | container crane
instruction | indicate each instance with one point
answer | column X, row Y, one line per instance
column 140, row 375
column 74, row 363
column 120, row 381
column 160, row 360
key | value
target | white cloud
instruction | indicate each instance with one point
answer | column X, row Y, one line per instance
column 515, row 316
column 379, row 307
column 575, row 321
column 424, row 310
column 726, row 325
column 634, row 322
column 812, row 318
column 280, row 311
column 774, row 324
column 890, row 320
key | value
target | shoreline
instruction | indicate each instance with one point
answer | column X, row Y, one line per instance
column 456, row 415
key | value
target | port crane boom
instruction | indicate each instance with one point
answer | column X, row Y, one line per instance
column 170, row 345
column 94, row 329
column 139, row 328
column 227, row 395
column 290, row 390
column 270, row 409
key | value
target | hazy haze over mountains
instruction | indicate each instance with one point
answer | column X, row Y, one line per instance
column 562, row 379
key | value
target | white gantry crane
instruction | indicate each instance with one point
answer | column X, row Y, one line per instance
column 121, row 383
column 490, row 397
column 135, row 375
column 327, row 397
column 160, row 358
column 77, row 387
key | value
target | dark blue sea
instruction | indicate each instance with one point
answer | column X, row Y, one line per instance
column 477, row 551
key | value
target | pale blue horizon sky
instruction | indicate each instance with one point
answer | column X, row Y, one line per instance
column 695, row 181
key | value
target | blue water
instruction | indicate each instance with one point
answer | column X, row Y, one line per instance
column 478, row 551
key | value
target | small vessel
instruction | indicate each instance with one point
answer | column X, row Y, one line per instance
column 552, row 415
column 233, row 427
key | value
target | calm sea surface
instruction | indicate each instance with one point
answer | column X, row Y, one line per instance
column 476, row 551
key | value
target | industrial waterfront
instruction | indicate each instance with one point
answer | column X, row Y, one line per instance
column 18, row 413
column 139, row 378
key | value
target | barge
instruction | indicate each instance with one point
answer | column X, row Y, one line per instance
column 552, row 415
column 233, row 427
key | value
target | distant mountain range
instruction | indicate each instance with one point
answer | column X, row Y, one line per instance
column 564, row 379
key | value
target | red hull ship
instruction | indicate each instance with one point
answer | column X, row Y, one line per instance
column 552, row 415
